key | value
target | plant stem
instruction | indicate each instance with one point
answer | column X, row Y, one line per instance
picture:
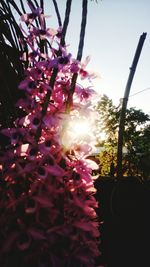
column 57, row 13
column 80, row 52
column 55, row 70
column 66, row 21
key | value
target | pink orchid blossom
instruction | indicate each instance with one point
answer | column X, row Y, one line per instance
column 49, row 198
column 49, row 32
column 29, row 17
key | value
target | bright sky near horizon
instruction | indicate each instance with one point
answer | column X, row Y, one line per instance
column 112, row 34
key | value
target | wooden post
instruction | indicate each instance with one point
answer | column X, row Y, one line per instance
column 124, row 104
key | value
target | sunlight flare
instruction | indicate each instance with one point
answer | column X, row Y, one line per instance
column 76, row 131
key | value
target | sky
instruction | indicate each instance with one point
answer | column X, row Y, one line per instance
column 112, row 34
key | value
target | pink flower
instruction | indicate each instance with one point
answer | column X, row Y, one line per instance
column 81, row 168
column 83, row 73
column 82, row 150
column 50, row 121
column 42, row 172
column 24, row 241
column 75, row 66
column 22, row 151
column 43, row 201
column 32, row 121
column 28, row 84
column 55, row 170
column 15, row 134
column 30, row 206
column 24, row 104
column 48, row 191
column 36, row 234
column 45, row 146
column 29, row 17
column 84, row 93
column 42, row 33
column 88, row 227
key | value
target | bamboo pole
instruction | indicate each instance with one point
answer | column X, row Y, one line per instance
column 124, row 104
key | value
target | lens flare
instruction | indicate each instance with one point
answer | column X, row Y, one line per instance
column 79, row 128
column 77, row 131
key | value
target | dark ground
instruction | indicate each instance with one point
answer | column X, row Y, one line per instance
column 125, row 212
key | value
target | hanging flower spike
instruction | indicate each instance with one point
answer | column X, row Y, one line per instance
column 49, row 213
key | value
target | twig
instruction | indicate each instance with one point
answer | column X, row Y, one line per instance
column 16, row 7
column 55, row 70
column 37, row 5
column 11, row 26
column 66, row 21
column 22, row 6
column 51, row 84
column 82, row 32
column 80, row 52
column 57, row 13
column 42, row 5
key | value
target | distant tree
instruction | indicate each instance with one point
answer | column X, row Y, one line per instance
column 107, row 122
column 136, row 137
column 107, row 158
column 141, row 147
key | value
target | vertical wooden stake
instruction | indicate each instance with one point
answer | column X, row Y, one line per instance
column 124, row 104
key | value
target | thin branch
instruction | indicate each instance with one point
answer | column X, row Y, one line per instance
column 15, row 7
column 66, row 21
column 55, row 70
column 83, row 27
column 37, row 5
column 22, row 6
column 30, row 2
column 6, row 27
column 80, row 52
column 42, row 22
column 11, row 26
column 18, row 32
column 51, row 84
column 57, row 13
column 42, row 5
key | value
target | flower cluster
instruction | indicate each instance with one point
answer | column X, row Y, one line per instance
column 47, row 206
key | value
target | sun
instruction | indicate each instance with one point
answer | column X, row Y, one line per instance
column 76, row 131
column 79, row 128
